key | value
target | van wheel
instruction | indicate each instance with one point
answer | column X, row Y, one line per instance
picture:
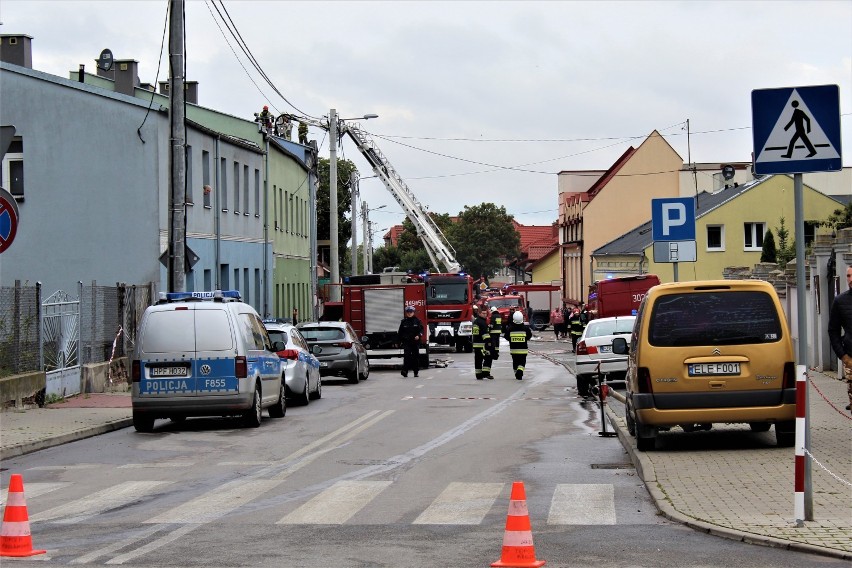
column 631, row 424
column 143, row 422
column 646, row 444
column 251, row 418
column 785, row 434
column 759, row 426
column 279, row 409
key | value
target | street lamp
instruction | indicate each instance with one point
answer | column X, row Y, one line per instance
column 332, row 200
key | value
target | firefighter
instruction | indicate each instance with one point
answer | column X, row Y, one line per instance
column 264, row 117
column 518, row 334
column 575, row 326
column 481, row 346
column 496, row 329
column 303, row 133
column 410, row 330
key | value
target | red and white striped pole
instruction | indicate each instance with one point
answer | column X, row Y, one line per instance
column 801, row 407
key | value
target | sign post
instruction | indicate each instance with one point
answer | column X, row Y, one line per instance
column 673, row 229
column 797, row 130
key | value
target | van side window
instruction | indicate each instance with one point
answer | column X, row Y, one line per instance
column 254, row 338
column 714, row 318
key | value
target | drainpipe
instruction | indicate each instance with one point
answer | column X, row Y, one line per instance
column 266, row 231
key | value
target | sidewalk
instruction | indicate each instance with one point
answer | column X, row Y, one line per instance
column 738, row 492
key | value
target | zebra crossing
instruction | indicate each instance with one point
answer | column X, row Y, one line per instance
column 459, row 503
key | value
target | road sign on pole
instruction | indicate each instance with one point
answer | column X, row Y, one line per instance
column 8, row 219
column 796, row 129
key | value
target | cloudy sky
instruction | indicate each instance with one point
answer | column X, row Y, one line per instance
column 479, row 101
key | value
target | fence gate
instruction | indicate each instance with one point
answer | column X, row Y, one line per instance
column 60, row 328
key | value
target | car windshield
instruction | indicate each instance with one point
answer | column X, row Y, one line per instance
column 714, row 318
column 322, row 333
column 447, row 293
column 504, row 303
column 610, row 327
column 275, row 335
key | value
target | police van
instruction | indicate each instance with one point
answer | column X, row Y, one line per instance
column 204, row 354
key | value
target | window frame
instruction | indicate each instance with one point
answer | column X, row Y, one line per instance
column 721, row 247
column 750, row 233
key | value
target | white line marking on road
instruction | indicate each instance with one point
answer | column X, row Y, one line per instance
column 582, row 504
column 216, row 503
column 337, row 504
column 155, row 465
column 91, row 505
column 34, row 490
column 461, row 504
column 66, row 467
column 109, row 549
column 169, row 538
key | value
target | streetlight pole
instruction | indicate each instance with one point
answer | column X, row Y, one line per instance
column 353, row 191
column 368, row 241
column 332, row 207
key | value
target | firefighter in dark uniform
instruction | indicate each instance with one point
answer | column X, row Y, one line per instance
column 496, row 329
column 575, row 327
column 303, row 133
column 410, row 330
column 518, row 334
column 481, row 346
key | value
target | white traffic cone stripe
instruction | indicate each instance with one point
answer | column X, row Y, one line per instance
column 461, row 504
column 16, row 500
column 518, row 509
column 517, row 538
column 582, row 504
column 15, row 528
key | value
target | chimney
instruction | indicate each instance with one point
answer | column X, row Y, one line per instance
column 190, row 90
column 17, row 50
column 126, row 76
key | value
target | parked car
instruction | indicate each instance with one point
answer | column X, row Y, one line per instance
column 301, row 369
column 338, row 349
column 710, row 351
column 595, row 348
column 204, row 354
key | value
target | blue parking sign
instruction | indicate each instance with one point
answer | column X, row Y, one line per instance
column 673, row 219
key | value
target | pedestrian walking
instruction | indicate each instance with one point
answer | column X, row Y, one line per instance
column 295, row 316
column 481, row 345
column 518, row 334
column 840, row 331
column 495, row 326
column 410, row 331
column 557, row 321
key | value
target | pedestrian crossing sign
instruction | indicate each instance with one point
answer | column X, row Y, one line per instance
column 796, row 129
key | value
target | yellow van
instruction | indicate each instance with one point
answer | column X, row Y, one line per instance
column 705, row 352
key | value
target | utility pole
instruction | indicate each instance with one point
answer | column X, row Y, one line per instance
column 368, row 238
column 177, row 186
column 353, row 189
column 334, row 292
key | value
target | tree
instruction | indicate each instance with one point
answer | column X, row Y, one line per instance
column 344, row 204
column 840, row 219
column 786, row 252
column 483, row 236
column 769, row 253
column 413, row 255
column 386, row 256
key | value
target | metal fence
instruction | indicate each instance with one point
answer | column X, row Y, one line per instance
column 90, row 326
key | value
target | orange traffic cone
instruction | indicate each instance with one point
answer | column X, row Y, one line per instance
column 518, row 549
column 15, row 537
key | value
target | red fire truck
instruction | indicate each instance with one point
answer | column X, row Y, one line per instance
column 619, row 296
column 449, row 299
column 374, row 305
column 540, row 300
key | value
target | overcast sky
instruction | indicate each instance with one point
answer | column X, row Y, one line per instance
column 480, row 101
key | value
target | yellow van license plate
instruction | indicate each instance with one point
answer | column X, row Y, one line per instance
column 702, row 369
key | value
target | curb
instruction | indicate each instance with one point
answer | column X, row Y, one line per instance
column 647, row 473
column 54, row 441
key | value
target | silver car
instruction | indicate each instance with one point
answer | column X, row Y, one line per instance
column 338, row 349
column 301, row 369
column 594, row 351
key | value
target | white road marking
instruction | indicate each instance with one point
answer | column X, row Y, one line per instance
column 217, row 502
column 582, row 504
column 337, row 504
column 155, row 465
column 34, row 490
column 99, row 502
column 461, row 504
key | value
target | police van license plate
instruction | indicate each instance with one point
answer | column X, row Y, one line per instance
column 176, row 371
column 716, row 369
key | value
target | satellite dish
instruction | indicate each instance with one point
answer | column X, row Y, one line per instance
column 104, row 61
column 728, row 171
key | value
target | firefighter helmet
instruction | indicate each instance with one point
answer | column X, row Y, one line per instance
column 518, row 317
column 493, row 309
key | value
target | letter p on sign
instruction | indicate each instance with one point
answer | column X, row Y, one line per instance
column 674, row 215
column 673, row 219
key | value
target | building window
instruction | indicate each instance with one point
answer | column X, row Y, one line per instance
column 257, row 193
column 754, row 236
column 13, row 169
column 205, row 175
column 223, row 184
column 236, row 188
column 715, row 237
column 188, row 180
column 245, row 190
column 275, row 205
